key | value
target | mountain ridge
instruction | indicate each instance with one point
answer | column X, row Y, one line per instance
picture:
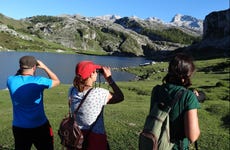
column 180, row 20
column 109, row 34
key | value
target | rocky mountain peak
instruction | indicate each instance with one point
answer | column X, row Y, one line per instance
column 154, row 19
column 182, row 18
column 109, row 17
column 187, row 22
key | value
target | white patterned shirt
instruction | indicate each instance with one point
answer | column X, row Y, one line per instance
column 90, row 109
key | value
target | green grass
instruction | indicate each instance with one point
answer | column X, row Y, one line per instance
column 125, row 120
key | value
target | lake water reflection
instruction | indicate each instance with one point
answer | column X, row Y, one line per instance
column 64, row 64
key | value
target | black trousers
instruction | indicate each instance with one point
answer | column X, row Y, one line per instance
column 41, row 137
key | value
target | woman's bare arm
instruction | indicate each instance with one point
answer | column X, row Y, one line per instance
column 192, row 130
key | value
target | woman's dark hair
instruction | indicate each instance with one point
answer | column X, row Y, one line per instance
column 79, row 83
column 180, row 69
column 19, row 72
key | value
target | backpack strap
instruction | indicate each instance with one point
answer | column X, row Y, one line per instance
column 171, row 103
column 76, row 110
column 177, row 97
column 82, row 101
column 154, row 95
column 196, row 145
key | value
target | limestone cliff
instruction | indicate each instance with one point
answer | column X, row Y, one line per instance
column 216, row 37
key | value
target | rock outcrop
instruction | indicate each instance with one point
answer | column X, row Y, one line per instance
column 216, row 37
column 217, row 25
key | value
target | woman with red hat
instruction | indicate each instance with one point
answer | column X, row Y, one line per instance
column 90, row 113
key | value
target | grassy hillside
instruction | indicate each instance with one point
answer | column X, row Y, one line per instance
column 125, row 120
column 16, row 42
column 12, row 23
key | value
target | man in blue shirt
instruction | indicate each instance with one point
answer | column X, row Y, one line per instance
column 30, row 124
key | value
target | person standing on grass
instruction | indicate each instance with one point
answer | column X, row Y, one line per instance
column 90, row 115
column 30, row 124
column 184, row 125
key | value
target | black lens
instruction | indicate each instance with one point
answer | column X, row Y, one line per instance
column 100, row 70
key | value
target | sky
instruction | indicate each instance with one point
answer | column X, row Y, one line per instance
column 161, row 9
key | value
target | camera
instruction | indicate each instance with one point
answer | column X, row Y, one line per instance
column 201, row 97
column 100, row 71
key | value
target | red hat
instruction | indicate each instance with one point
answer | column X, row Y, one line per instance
column 85, row 68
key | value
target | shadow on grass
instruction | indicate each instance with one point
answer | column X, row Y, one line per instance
column 218, row 68
column 207, row 87
column 226, row 79
column 226, row 121
column 138, row 91
column 218, row 84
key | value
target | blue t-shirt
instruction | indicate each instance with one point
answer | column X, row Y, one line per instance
column 27, row 99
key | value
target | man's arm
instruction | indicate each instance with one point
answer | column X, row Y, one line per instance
column 51, row 74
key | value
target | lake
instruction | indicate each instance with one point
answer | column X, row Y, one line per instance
column 64, row 64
